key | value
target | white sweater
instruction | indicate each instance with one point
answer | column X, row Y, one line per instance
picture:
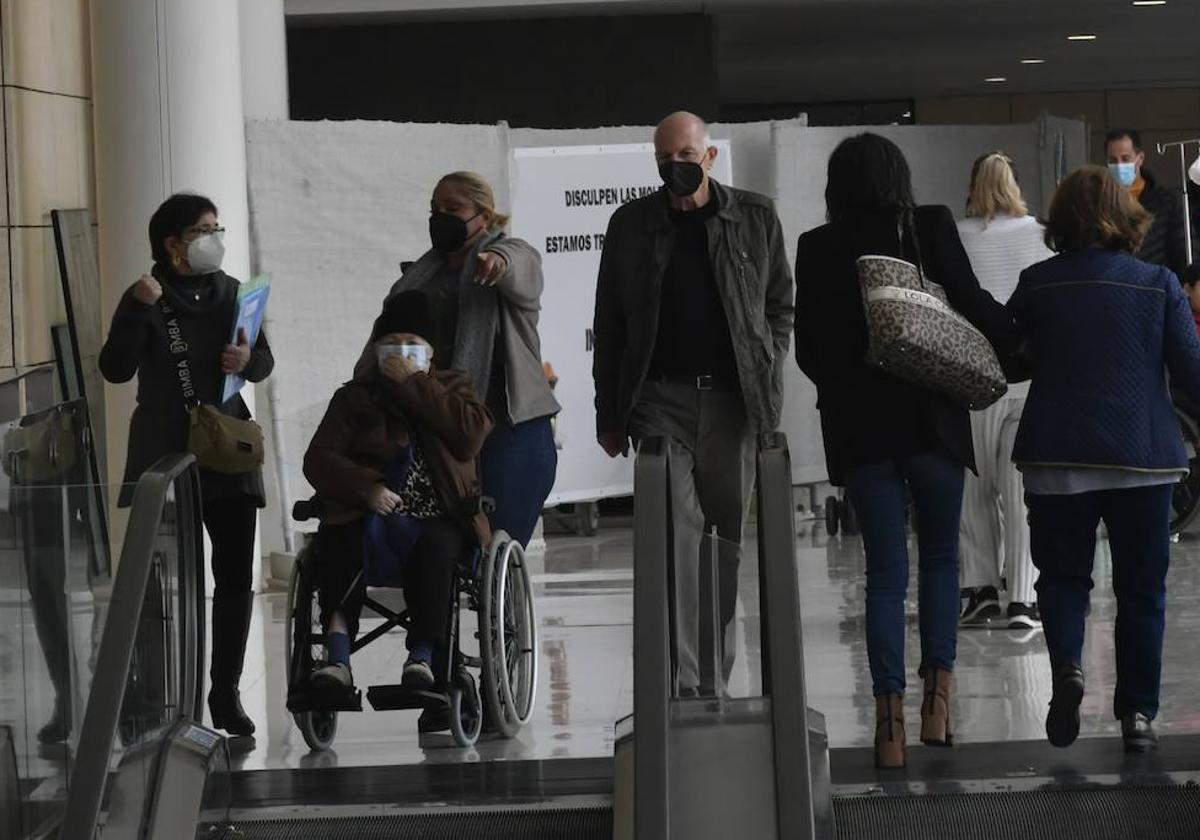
column 999, row 251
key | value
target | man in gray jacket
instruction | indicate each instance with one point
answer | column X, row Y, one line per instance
column 692, row 327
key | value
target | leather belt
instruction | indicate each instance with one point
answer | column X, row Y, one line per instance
column 703, row 382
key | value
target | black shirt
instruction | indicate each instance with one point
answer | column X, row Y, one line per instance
column 693, row 330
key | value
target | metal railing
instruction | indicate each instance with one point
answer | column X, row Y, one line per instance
column 799, row 814
column 166, row 499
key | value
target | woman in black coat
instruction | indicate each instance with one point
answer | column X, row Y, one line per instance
column 187, row 292
column 885, row 438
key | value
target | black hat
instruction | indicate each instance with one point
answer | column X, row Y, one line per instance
column 407, row 312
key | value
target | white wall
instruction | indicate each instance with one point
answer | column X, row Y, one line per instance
column 337, row 206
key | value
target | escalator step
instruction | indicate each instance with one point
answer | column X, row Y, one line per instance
column 510, row 824
column 1162, row 813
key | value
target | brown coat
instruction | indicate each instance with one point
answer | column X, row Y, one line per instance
column 371, row 418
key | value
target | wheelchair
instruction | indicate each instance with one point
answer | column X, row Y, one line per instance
column 1185, row 499
column 493, row 583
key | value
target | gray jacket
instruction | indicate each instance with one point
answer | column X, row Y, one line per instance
column 512, row 306
column 745, row 243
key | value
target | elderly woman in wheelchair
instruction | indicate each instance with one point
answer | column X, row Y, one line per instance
column 393, row 463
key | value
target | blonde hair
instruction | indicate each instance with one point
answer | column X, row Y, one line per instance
column 994, row 188
column 479, row 191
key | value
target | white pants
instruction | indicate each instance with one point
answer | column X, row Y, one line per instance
column 995, row 528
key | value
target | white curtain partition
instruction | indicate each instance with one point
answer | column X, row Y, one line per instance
column 335, row 207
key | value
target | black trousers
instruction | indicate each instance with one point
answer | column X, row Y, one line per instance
column 230, row 523
column 429, row 576
column 44, row 535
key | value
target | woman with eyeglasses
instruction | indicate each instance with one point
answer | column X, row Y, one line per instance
column 484, row 289
column 188, row 298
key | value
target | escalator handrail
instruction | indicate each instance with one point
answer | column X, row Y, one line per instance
column 652, row 551
column 121, row 629
column 782, row 635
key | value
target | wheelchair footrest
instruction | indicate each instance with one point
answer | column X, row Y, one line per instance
column 324, row 698
column 387, row 698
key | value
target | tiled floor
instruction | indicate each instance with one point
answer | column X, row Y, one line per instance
column 584, row 591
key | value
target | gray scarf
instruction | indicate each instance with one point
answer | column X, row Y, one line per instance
column 478, row 310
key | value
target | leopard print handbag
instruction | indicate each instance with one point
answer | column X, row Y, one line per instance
column 914, row 333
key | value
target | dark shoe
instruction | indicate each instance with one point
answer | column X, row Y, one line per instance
column 230, row 626
column 688, row 692
column 983, row 604
column 337, row 675
column 417, row 675
column 1138, row 733
column 57, row 729
column 1023, row 616
column 225, row 705
column 1062, row 721
column 935, row 710
column 889, row 731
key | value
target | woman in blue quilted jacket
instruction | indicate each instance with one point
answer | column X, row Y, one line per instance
column 1099, row 440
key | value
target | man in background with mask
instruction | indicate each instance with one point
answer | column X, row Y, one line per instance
column 692, row 327
column 1165, row 243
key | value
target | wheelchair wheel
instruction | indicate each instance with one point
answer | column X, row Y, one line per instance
column 508, row 641
column 466, row 709
column 1185, row 499
column 303, row 654
column 317, row 728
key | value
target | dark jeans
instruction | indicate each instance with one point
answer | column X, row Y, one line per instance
column 429, row 576
column 518, row 465
column 230, row 522
column 1063, row 535
column 879, row 493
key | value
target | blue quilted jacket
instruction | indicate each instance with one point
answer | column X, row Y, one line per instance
column 1101, row 327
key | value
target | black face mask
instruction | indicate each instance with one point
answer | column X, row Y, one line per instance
column 682, row 177
column 447, row 232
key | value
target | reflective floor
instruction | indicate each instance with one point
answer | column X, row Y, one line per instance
column 584, row 591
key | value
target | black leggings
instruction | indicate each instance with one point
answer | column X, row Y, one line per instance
column 429, row 576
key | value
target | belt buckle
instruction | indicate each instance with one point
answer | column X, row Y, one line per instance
column 704, row 383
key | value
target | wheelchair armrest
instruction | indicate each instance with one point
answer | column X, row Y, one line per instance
column 478, row 504
column 306, row 509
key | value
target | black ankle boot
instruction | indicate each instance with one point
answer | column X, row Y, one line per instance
column 225, row 705
column 1062, row 721
column 230, row 626
column 58, row 728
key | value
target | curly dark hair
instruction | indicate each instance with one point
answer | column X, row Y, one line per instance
column 867, row 172
column 1092, row 210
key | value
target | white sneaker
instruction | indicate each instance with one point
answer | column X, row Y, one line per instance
column 417, row 675
column 335, row 674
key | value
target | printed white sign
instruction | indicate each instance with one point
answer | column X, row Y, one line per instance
column 562, row 200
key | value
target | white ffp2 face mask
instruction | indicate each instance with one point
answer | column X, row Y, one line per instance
column 1194, row 172
column 205, row 253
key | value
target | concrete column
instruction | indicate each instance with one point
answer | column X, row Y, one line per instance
column 264, row 60
column 167, row 88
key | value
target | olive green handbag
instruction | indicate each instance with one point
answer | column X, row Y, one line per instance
column 43, row 450
column 220, row 442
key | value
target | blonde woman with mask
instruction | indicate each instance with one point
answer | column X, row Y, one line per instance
column 1002, row 240
column 484, row 290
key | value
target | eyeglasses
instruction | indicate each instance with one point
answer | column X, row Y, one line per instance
column 206, row 230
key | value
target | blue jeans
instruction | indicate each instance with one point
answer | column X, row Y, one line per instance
column 879, row 493
column 1063, row 536
column 518, row 465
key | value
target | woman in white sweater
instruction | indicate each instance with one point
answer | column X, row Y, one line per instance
column 1002, row 240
